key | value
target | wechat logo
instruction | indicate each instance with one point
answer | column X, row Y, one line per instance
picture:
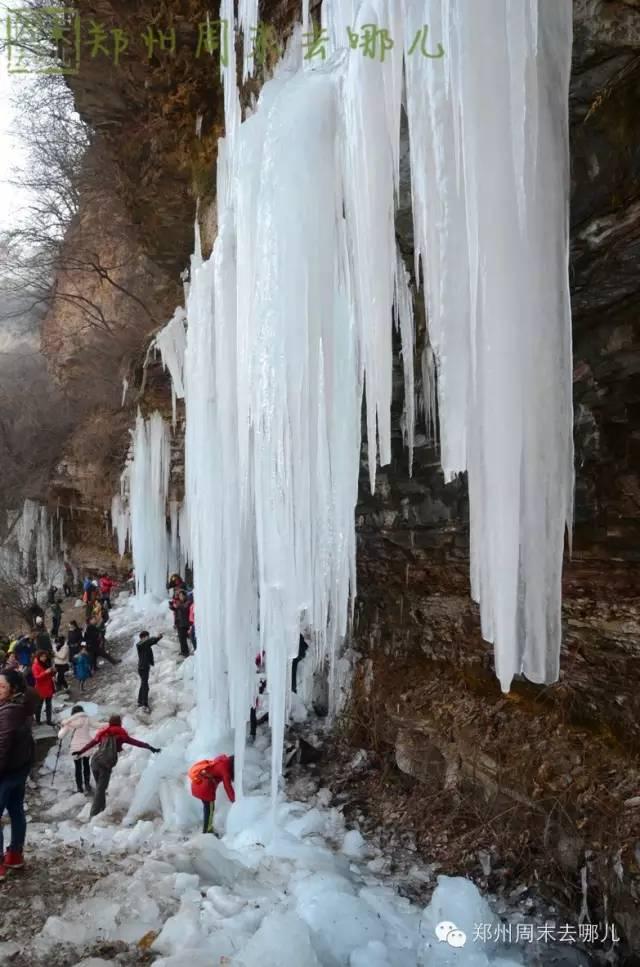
column 447, row 932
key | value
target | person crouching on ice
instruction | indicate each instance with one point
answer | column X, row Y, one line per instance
column 205, row 776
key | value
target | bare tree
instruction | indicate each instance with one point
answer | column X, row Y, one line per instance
column 18, row 597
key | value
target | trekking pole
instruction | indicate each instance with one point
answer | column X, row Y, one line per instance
column 55, row 768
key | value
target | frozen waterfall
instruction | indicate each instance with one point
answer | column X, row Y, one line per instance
column 290, row 322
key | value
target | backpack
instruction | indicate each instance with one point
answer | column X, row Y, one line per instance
column 202, row 786
column 197, row 770
column 107, row 753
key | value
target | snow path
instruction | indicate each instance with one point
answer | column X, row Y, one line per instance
column 300, row 894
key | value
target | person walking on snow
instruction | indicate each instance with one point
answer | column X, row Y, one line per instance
column 106, row 585
column 56, row 617
column 94, row 639
column 42, row 638
column 43, row 673
column 192, row 623
column 74, row 639
column 180, row 607
column 82, row 666
column 16, row 757
column 205, row 776
column 145, row 662
column 81, row 729
column 109, row 741
column 61, row 662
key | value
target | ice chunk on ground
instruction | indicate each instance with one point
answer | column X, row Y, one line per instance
column 353, row 844
column 375, row 954
column 283, row 940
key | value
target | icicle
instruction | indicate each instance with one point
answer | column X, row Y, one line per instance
column 149, row 484
column 125, row 389
column 247, row 23
column 429, row 405
column 171, row 343
column 120, row 523
column 405, row 324
column 490, row 192
column 369, row 151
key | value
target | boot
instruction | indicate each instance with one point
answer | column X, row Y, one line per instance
column 13, row 859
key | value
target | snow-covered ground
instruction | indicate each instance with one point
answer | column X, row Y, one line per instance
column 290, row 889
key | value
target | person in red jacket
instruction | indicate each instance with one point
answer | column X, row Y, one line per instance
column 43, row 672
column 205, row 777
column 101, row 770
column 106, row 585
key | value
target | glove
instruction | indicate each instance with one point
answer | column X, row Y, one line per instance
column 155, row 750
column 75, row 754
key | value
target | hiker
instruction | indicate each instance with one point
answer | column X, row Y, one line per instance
column 35, row 612
column 74, row 639
column 42, row 638
column 205, row 776
column 192, row 624
column 24, row 651
column 145, row 661
column 175, row 583
column 303, row 648
column 82, row 666
column 98, row 612
column 254, row 721
column 11, row 662
column 61, row 663
column 81, row 728
column 94, row 640
column 106, row 585
column 43, row 673
column 110, row 741
column 56, row 617
column 180, row 607
column 67, row 581
column 16, row 758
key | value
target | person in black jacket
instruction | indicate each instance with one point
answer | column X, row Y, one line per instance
column 303, row 648
column 94, row 639
column 180, row 607
column 16, row 758
column 42, row 638
column 74, row 638
column 145, row 661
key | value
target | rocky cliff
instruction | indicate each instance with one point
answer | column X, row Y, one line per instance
column 426, row 706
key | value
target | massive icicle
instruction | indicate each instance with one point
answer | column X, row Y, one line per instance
column 490, row 181
column 148, row 491
column 292, row 315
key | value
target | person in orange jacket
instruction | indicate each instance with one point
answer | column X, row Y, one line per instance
column 206, row 775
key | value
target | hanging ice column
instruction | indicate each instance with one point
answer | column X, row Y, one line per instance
column 148, row 490
column 490, row 181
